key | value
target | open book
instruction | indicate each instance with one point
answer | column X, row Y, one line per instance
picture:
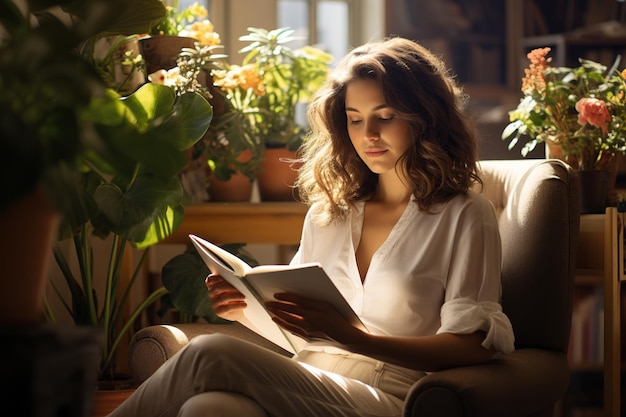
column 259, row 284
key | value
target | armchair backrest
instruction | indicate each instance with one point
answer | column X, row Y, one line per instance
column 538, row 208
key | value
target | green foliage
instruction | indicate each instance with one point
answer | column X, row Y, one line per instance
column 138, row 206
column 46, row 85
column 109, row 163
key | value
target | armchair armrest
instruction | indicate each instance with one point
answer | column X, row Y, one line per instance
column 502, row 387
column 151, row 346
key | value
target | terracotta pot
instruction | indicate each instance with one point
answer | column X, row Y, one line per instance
column 29, row 227
column 161, row 52
column 277, row 175
column 237, row 188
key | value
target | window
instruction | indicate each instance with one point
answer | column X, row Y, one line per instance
column 330, row 18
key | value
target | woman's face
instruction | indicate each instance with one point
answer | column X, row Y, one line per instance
column 379, row 136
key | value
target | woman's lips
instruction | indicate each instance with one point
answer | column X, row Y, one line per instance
column 373, row 153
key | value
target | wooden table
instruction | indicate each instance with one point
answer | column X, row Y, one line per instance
column 277, row 223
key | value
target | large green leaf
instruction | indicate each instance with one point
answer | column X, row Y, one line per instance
column 191, row 118
column 148, row 128
column 163, row 225
column 149, row 103
column 131, row 214
column 184, row 276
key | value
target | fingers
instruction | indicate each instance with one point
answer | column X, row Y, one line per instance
column 298, row 304
column 213, row 280
column 215, row 284
column 227, row 302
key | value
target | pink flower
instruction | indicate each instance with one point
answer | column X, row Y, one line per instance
column 594, row 112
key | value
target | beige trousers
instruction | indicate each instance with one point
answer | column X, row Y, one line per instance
column 220, row 376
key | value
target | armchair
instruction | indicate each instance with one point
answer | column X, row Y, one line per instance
column 537, row 203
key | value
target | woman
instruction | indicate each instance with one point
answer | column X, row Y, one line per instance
column 387, row 172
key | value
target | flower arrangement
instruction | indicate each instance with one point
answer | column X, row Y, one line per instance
column 192, row 22
column 255, row 102
column 581, row 111
column 261, row 96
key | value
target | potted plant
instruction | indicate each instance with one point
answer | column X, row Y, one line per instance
column 105, row 163
column 184, row 38
column 46, row 86
column 47, row 140
column 177, row 29
column 262, row 97
column 579, row 113
column 137, row 204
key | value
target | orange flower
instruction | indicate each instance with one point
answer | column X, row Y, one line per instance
column 534, row 78
column 245, row 77
column 594, row 112
column 204, row 32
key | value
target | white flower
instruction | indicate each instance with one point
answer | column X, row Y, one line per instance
column 170, row 78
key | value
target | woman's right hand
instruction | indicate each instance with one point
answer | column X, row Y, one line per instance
column 227, row 302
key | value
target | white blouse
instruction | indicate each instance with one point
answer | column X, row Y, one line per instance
column 435, row 273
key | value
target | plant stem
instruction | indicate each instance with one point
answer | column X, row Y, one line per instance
column 156, row 294
column 82, row 242
column 111, row 289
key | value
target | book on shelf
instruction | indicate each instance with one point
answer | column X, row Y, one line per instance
column 259, row 284
column 587, row 330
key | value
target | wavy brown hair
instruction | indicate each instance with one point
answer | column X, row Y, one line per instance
column 441, row 160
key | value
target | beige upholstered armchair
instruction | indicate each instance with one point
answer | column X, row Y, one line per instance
column 537, row 202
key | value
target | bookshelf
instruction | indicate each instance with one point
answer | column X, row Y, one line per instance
column 613, row 279
column 597, row 319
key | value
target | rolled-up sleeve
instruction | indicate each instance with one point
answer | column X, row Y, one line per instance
column 464, row 316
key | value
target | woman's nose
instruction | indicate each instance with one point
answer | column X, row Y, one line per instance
column 372, row 132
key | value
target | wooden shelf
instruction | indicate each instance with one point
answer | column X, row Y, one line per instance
column 591, row 277
column 600, row 272
column 273, row 223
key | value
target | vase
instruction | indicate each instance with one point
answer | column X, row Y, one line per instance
column 594, row 187
column 555, row 151
column 277, row 175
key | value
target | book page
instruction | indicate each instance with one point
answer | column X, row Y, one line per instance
column 308, row 280
column 227, row 259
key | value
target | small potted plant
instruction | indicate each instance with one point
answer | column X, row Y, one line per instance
column 176, row 30
column 263, row 95
column 578, row 113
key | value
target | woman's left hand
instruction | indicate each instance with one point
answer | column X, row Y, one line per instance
column 312, row 319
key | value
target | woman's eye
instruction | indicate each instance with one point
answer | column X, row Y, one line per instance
column 355, row 121
column 387, row 118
